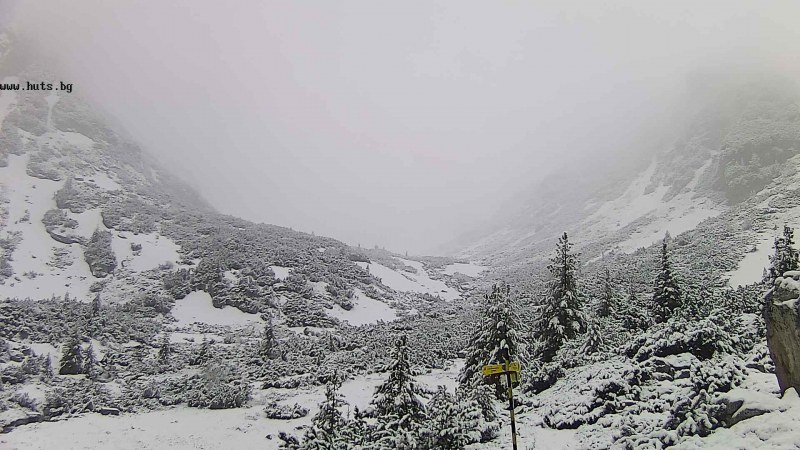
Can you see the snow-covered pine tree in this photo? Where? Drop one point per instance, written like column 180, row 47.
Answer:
column 397, row 404
column 72, row 357
column 165, row 349
column 495, row 340
column 355, row 430
column 327, row 425
column 447, row 428
column 267, row 348
column 785, row 256
column 48, row 367
column 667, row 294
column 90, row 363
column 561, row 317
column 607, row 305
column 594, row 342
column 96, row 305
column 202, row 355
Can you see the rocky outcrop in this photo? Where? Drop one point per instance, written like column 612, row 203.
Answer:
column 782, row 317
column 740, row 404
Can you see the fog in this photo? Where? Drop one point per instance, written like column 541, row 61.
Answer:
column 399, row 124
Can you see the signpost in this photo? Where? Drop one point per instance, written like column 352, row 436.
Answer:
column 511, row 370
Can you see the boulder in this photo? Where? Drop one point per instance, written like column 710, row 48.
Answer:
column 108, row 411
column 742, row 404
column 13, row 418
column 782, row 318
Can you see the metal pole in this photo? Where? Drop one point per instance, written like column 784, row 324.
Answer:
column 511, row 404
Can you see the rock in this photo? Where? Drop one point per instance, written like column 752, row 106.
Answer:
column 782, row 317
column 107, row 411
column 14, row 418
column 68, row 239
column 741, row 404
column 660, row 368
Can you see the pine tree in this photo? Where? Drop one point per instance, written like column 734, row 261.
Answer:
column 327, row 425
column 561, row 318
column 96, row 304
column 495, row 340
column 447, row 427
column 785, row 257
column 632, row 312
column 268, row 346
column 72, row 357
column 90, row 362
column 203, row 353
column 667, row 295
column 356, row 430
column 478, row 411
column 48, row 367
column 165, row 350
column 594, row 342
column 607, row 304
column 397, row 404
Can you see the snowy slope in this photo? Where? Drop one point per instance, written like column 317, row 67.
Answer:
column 365, row 310
column 420, row 282
column 680, row 213
column 26, row 199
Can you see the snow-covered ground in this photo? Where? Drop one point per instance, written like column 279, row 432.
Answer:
column 468, row 269
column 197, row 307
column 419, row 282
column 681, row 213
column 281, row 272
column 7, row 99
column 156, row 250
column 28, row 200
column 242, row 428
column 751, row 268
column 365, row 310
column 777, row 430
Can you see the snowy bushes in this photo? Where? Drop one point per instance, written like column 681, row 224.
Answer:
column 703, row 338
column 75, row 396
column 686, row 409
column 214, row 388
column 588, row 394
column 285, row 412
column 99, row 255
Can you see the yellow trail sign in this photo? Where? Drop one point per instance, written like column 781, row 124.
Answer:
column 493, row 369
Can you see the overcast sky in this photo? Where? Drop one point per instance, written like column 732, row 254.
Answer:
column 398, row 123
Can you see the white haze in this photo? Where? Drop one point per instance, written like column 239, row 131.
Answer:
column 396, row 123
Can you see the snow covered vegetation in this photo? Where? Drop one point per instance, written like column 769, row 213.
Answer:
column 133, row 315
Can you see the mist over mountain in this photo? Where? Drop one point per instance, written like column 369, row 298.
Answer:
column 214, row 238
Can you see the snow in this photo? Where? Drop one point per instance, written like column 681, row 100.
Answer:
column 104, row 182
column 681, row 213
column 775, row 430
column 197, row 307
column 156, row 250
column 421, row 282
column 281, row 272
column 35, row 250
column 231, row 276
column 51, row 99
column 175, row 428
column 751, row 268
column 7, row 99
column 88, row 221
column 468, row 269
column 365, row 310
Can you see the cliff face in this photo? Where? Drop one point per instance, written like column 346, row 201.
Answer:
column 782, row 316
